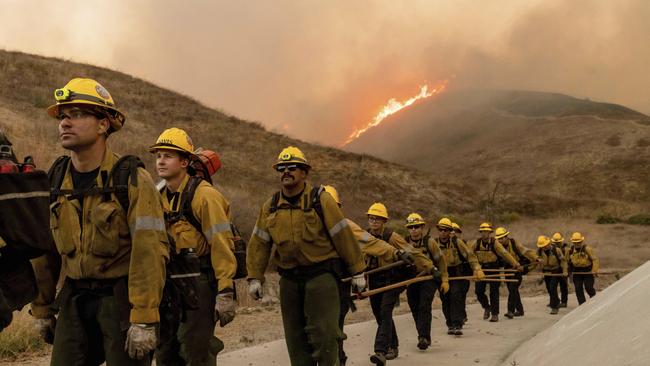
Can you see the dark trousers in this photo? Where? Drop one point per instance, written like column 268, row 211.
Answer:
column 514, row 298
column 190, row 342
column 584, row 283
column 310, row 315
column 346, row 303
column 382, row 306
column 89, row 331
column 493, row 303
column 420, row 297
column 564, row 290
column 453, row 303
column 551, row 288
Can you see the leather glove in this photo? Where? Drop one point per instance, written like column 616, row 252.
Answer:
column 46, row 328
column 255, row 289
column 435, row 272
column 479, row 274
column 519, row 268
column 405, row 256
column 224, row 308
column 140, row 340
column 444, row 287
column 358, row 283
column 565, row 274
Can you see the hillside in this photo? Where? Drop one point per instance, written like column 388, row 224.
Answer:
column 247, row 150
column 528, row 152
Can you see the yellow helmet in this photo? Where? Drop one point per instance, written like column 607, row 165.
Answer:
column 456, row 227
column 174, row 139
column 577, row 238
column 87, row 92
column 290, row 155
column 333, row 192
column 501, row 232
column 557, row 238
column 543, row 241
column 414, row 219
column 486, row 226
column 378, row 209
column 445, row 223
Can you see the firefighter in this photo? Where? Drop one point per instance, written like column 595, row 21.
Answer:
column 370, row 246
column 199, row 288
column 461, row 261
column 524, row 256
column 109, row 230
column 554, row 263
column 382, row 304
column 458, row 234
column 559, row 242
column 420, row 294
column 582, row 259
column 314, row 246
column 490, row 254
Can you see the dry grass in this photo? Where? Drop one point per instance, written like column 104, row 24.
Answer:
column 20, row 338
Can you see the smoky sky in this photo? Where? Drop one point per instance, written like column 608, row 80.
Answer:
column 316, row 69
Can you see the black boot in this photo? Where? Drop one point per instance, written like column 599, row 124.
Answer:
column 378, row 359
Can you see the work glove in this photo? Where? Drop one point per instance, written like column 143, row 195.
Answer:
column 479, row 274
column 565, row 274
column 519, row 268
column 45, row 328
column 224, row 308
column 358, row 283
column 140, row 340
column 255, row 289
column 435, row 272
column 407, row 257
column 444, row 287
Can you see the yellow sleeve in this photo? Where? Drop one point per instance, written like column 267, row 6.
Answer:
column 46, row 271
column 258, row 251
column 422, row 261
column 528, row 253
column 595, row 262
column 563, row 261
column 342, row 236
column 213, row 211
column 503, row 253
column 468, row 252
column 438, row 259
column 149, row 250
column 372, row 246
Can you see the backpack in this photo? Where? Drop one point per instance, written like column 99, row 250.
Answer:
column 116, row 182
column 204, row 164
column 185, row 213
column 522, row 259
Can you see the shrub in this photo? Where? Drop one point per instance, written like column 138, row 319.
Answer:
column 639, row 219
column 20, row 337
column 509, row 217
column 607, row 219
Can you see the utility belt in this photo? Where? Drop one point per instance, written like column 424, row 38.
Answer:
column 462, row 269
column 582, row 269
column 492, row 265
column 305, row 273
column 552, row 270
column 117, row 287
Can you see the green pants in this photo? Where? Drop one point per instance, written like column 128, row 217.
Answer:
column 190, row 342
column 310, row 314
column 88, row 330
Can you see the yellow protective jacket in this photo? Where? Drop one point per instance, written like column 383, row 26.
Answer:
column 101, row 241
column 212, row 210
column 552, row 260
column 453, row 258
column 300, row 237
column 514, row 247
column 487, row 255
column 370, row 245
column 432, row 251
column 581, row 258
column 421, row 261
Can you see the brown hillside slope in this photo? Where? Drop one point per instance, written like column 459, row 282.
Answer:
column 541, row 153
column 247, row 150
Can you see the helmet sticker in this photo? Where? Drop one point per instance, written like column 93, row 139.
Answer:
column 102, row 92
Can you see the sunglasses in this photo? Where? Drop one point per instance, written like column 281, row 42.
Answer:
column 445, row 230
column 76, row 114
column 375, row 219
column 283, row 168
column 415, row 227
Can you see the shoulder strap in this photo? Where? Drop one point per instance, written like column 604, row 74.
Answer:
column 314, row 202
column 460, row 254
column 186, row 202
column 126, row 167
column 56, row 175
column 513, row 244
column 274, row 202
column 385, row 236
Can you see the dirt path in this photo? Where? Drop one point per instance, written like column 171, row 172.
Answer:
column 484, row 343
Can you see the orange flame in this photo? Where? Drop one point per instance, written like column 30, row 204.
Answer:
column 393, row 106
